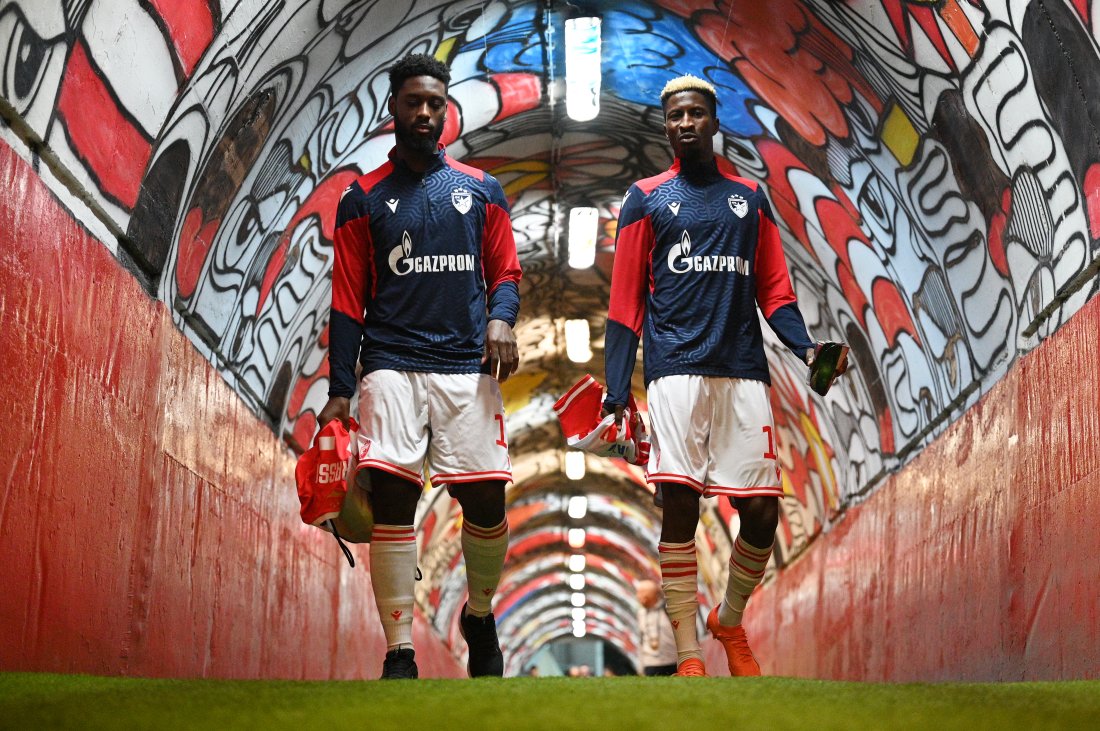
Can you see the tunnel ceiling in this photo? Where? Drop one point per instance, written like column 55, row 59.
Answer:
column 934, row 168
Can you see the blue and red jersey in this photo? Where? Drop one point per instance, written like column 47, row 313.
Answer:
column 697, row 251
column 422, row 262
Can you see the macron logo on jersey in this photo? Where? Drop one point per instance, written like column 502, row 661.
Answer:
column 392, row 204
column 675, row 208
column 681, row 262
column 402, row 262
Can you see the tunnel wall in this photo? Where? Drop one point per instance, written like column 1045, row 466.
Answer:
column 977, row 561
column 149, row 520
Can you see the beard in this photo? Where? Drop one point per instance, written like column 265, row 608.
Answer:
column 415, row 143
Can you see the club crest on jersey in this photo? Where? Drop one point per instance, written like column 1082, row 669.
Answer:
column 402, row 261
column 461, row 200
column 738, row 205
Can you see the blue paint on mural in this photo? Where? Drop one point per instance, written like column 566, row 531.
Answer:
column 661, row 47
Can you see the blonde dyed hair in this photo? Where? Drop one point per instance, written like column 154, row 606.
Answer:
column 690, row 83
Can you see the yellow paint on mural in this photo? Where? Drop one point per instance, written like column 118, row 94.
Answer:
column 443, row 53
column 535, row 171
column 518, row 389
column 304, row 162
column 900, row 136
column 522, row 183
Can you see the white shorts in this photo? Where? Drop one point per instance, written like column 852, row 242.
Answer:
column 714, row 435
column 452, row 421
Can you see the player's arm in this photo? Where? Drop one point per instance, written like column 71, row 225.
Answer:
column 352, row 250
column 626, row 312
column 775, row 296
column 502, row 274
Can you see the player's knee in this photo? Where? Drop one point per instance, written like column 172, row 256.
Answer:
column 393, row 500
column 680, row 515
column 482, row 502
column 759, row 518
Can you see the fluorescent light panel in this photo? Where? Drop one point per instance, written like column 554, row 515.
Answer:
column 584, row 226
column 578, row 341
column 582, row 68
column 574, row 465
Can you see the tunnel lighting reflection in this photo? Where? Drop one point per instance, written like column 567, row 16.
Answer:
column 576, row 537
column 578, row 614
column 578, row 341
column 576, row 562
column 584, row 226
column 574, row 465
column 576, row 582
column 577, row 599
column 579, row 629
column 582, row 68
column 578, row 507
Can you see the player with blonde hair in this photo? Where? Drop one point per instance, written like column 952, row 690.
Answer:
column 697, row 252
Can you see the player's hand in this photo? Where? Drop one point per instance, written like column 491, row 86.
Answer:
column 841, row 366
column 501, row 350
column 618, row 415
column 338, row 407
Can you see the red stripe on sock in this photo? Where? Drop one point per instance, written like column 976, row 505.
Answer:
column 677, row 574
column 746, row 569
column 485, row 533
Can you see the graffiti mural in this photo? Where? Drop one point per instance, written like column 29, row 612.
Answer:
column 934, row 168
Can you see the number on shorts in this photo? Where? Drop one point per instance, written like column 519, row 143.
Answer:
column 500, row 421
column 770, row 454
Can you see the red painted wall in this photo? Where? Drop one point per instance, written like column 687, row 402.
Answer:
column 148, row 521
column 979, row 560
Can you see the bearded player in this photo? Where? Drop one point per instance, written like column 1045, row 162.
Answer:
column 424, row 299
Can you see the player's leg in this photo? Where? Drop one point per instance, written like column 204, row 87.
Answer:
column 484, row 546
column 484, row 541
column 393, row 567
column 392, row 445
column 751, row 551
column 469, row 454
column 745, row 469
column 677, row 464
column 680, row 573
column 748, row 559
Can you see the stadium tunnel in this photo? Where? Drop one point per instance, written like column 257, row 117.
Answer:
column 171, row 173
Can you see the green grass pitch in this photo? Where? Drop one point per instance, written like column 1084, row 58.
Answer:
column 49, row 701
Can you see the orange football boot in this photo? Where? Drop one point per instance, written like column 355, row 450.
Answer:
column 741, row 662
column 691, row 668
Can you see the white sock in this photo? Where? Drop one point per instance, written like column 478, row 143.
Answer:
column 746, row 566
column 484, row 550
column 680, row 582
column 393, row 578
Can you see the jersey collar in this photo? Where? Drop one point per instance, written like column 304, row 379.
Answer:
column 438, row 161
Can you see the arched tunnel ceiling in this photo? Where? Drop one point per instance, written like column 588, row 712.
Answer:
column 934, row 168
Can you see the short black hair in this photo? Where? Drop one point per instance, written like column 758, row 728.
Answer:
column 417, row 64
